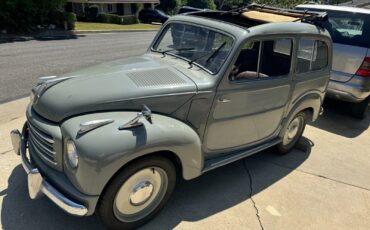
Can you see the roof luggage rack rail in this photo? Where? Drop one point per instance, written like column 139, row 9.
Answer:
column 302, row 15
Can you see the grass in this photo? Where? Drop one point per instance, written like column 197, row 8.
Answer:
column 107, row 26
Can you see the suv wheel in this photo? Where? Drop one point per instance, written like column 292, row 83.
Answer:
column 137, row 193
column 359, row 110
column 293, row 133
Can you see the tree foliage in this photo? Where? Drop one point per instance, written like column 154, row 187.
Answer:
column 209, row 4
column 167, row 5
column 23, row 15
column 281, row 3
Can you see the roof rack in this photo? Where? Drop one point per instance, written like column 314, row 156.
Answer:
column 299, row 15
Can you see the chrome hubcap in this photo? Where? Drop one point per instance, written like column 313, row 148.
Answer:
column 292, row 131
column 140, row 194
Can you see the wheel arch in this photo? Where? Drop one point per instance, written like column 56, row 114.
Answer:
column 309, row 103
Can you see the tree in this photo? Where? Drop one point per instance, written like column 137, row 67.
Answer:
column 229, row 4
column 23, row 15
column 209, row 4
column 167, row 5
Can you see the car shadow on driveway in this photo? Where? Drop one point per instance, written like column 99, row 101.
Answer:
column 194, row 200
column 45, row 36
column 338, row 120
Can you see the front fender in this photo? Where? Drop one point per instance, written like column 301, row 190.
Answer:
column 103, row 151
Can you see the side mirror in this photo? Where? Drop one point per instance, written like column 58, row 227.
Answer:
column 135, row 122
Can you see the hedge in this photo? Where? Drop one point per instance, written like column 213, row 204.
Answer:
column 71, row 19
column 116, row 19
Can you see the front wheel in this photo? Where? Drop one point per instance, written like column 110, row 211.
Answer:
column 137, row 193
column 293, row 133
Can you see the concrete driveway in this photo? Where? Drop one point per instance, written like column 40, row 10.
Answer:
column 324, row 184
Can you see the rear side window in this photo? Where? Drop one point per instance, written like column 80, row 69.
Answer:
column 312, row 55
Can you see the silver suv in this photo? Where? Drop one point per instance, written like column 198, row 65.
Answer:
column 349, row 28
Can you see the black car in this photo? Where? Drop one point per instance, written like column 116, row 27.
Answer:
column 152, row 15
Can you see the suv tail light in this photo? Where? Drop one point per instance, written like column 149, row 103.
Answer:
column 364, row 69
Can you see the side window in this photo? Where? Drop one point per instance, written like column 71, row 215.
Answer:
column 312, row 55
column 263, row 59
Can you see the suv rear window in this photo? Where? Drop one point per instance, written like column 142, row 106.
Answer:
column 348, row 28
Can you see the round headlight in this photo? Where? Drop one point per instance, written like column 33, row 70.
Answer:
column 72, row 154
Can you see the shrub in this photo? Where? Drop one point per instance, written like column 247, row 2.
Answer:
column 57, row 18
column 116, row 19
column 71, row 19
column 109, row 18
column 91, row 13
column 129, row 19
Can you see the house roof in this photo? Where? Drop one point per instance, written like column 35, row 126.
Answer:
column 114, row 1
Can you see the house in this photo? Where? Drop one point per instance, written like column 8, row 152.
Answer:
column 120, row 7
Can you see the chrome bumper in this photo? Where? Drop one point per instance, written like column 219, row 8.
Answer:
column 37, row 185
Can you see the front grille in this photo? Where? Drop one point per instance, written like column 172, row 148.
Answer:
column 42, row 143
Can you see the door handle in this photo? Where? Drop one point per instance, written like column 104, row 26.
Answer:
column 223, row 100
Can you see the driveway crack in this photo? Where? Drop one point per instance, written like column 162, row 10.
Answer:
column 251, row 195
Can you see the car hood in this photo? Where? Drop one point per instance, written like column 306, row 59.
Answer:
column 119, row 85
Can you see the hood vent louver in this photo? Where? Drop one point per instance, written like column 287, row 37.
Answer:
column 155, row 78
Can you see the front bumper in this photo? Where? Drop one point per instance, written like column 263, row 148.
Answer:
column 37, row 185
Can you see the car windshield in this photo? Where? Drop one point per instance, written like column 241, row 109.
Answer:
column 201, row 46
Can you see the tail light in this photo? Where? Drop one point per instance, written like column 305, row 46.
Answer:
column 364, row 69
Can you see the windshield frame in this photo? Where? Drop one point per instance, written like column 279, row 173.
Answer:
column 165, row 29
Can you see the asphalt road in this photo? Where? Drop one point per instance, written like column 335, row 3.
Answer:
column 21, row 63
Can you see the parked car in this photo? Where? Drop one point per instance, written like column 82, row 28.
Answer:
column 349, row 28
column 152, row 15
column 212, row 89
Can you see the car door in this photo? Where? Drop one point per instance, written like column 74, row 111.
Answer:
column 251, row 102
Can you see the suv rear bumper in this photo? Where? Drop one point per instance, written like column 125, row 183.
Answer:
column 39, row 185
column 355, row 90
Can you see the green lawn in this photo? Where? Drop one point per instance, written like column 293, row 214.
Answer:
column 107, row 26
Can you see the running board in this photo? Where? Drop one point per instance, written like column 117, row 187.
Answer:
column 224, row 160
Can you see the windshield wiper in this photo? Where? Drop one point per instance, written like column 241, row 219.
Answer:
column 211, row 53
column 178, row 49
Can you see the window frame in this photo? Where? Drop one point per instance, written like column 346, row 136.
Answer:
column 261, row 39
column 315, row 38
column 163, row 31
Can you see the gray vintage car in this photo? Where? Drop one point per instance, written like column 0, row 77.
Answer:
column 213, row 88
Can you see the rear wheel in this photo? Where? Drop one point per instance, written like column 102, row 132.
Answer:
column 293, row 133
column 137, row 193
column 360, row 110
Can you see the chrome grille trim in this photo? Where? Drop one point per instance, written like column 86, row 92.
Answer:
column 41, row 135
column 42, row 143
column 44, row 149
column 34, row 148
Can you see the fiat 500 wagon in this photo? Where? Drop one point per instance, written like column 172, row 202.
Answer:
column 213, row 87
